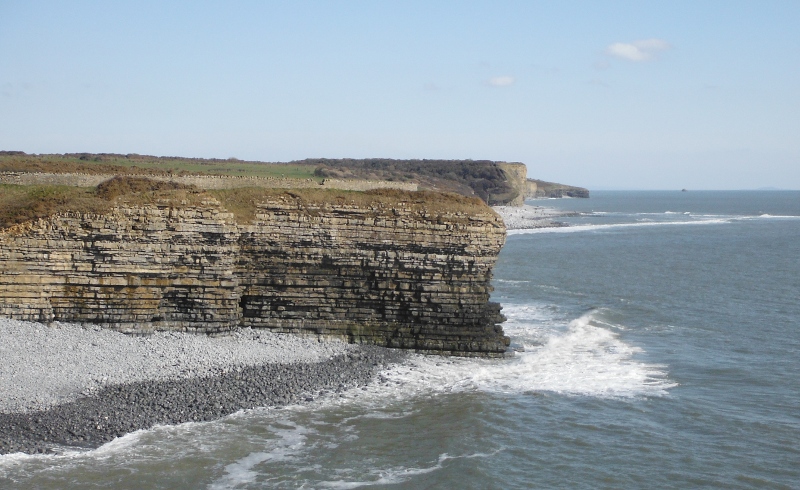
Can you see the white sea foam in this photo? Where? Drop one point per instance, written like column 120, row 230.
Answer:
column 289, row 444
column 582, row 357
column 400, row 474
column 608, row 226
column 776, row 216
column 66, row 457
column 696, row 219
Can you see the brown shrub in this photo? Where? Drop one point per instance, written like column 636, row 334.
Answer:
column 20, row 204
column 125, row 185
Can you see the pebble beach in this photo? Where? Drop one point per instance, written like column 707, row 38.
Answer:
column 529, row 217
column 67, row 386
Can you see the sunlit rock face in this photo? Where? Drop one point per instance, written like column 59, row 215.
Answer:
column 393, row 275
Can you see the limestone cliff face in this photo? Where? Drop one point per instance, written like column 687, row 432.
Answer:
column 390, row 276
column 133, row 270
column 517, row 174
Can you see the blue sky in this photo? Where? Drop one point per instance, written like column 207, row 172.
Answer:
column 628, row 95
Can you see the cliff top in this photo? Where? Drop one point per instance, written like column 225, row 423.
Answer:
column 21, row 204
column 482, row 178
column 496, row 183
column 134, row 164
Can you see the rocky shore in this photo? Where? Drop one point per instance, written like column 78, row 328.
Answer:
column 68, row 386
column 527, row 217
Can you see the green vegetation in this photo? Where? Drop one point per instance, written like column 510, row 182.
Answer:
column 482, row 178
column 132, row 164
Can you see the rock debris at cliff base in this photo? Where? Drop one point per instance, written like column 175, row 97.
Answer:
column 527, row 217
column 61, row 387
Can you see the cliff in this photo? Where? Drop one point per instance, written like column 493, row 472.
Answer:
column 516, row 175
column 391, row 268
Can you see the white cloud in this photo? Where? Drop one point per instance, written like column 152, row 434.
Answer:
column 501, row 81
column 642, row 50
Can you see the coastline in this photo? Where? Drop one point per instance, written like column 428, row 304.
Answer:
column 45, row 409
column 79, row 386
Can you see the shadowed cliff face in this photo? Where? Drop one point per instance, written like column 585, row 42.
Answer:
column 396, row 275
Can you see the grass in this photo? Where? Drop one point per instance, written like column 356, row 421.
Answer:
column 20, row 204
column 150, row 165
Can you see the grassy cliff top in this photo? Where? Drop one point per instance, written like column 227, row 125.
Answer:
column 133, row 164
column 243, row 203
column 485, row 179
column 482, row 178
column 21, row 204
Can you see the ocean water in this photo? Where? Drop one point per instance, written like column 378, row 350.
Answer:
column 662, row 350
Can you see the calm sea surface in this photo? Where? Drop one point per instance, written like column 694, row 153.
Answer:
column 662, row 337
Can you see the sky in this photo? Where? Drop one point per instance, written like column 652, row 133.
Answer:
column 601, row 94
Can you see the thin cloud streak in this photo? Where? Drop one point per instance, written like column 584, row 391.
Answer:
column 637, row 51
column 501, row 81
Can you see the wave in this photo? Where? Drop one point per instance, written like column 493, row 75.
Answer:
column 607, row 226
column 777, row 216
column 400, row 474
column 699, row 219
column 586, row 357
column 288, row 443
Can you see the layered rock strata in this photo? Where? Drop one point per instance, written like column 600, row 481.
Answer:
column 388, row 275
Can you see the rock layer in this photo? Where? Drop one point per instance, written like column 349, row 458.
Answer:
column 395, row 276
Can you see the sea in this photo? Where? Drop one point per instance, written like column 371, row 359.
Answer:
column 661, row 336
